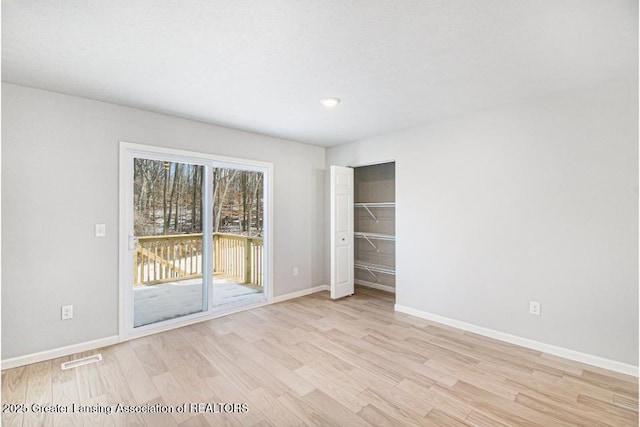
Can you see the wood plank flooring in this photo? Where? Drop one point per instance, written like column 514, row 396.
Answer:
column 312, row 361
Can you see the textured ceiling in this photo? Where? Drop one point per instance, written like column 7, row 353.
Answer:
column 263, row 65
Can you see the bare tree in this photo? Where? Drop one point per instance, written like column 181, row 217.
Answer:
column 168, row 199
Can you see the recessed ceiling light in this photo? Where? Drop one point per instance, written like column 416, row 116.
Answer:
column 330, row 102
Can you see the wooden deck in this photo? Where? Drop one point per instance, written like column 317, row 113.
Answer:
column 169, row 300
column 314, row 361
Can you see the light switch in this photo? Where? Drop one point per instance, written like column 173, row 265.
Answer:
column 101, row 230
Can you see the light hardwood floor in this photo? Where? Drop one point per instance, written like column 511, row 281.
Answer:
column 313, row 361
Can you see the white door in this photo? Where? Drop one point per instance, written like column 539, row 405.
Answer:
column 341, row 232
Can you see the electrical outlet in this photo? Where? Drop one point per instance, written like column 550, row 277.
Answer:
column 296, row 272
column 534, row 308
column 67, row 312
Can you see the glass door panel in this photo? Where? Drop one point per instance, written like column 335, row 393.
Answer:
column 168, row 245
column 238, row 244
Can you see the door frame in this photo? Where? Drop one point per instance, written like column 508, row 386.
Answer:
column 364, row 164
column 129, row 150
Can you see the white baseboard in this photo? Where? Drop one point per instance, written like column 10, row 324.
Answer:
column 589, row 359
column 376, row 286
column 299, row 294
column 59, row 352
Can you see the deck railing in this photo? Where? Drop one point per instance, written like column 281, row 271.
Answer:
column 160, row 259
column 238, row 256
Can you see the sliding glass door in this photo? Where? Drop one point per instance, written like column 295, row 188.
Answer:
column 167, row 229
column 238, row 227
column 194, row 230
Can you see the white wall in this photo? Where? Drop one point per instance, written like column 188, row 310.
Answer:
column 537, row 201
column 60, row 177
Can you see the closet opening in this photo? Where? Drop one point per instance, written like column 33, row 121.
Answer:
column 375, row 226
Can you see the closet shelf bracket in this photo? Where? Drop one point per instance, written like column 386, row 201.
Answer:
column 371, row 243
column 370, row 213
column 370, row 272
